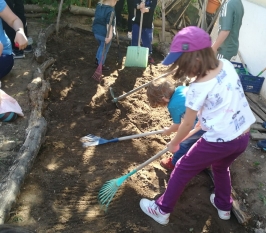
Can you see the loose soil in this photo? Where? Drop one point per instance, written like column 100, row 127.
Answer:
column 60, row 193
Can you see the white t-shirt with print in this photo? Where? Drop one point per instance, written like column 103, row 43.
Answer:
column 223, row 109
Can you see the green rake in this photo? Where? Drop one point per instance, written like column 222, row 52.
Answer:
column 110, row 188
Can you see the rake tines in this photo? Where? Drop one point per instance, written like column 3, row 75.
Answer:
column 110, row 188
column 98, row 73
column 107, row 193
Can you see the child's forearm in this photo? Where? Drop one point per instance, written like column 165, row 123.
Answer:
column 182, row 132
column 174, row 127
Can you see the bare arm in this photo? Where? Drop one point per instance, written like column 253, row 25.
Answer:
column 220, row 40
column 171, row 129
column 13, row 21
column 184, row 128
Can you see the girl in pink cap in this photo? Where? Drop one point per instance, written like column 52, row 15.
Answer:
column 216, row 97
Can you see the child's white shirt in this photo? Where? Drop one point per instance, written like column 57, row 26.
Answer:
column 223, row 109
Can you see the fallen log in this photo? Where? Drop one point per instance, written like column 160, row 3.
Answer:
column 30, row 8
column 40, row 51
column 78, row 10
column 35, row 135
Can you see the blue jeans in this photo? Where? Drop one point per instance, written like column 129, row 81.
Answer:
column 185, row 146
column 146, row 37
column 6, row 64
column 99, row 55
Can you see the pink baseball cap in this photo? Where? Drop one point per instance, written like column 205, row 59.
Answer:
column 189, row 39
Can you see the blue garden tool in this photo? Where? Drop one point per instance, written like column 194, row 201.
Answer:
column 92, row 140
column 109, row 189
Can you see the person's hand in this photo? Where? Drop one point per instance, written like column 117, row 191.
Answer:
column 21, row 40
column 141, row 5
column 108, row 39
column 166, row 131
column 172, row 148
column 144, row 10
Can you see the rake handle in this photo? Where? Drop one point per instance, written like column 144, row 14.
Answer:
column 140, row 87
column 261, row 71
column 140, row 135
column 159, row 154
column 140, row 27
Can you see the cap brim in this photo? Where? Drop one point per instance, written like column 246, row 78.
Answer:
column 171, row 58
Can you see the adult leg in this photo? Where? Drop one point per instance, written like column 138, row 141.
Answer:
column 130, row 9
column 200, row 156
column 118, row 9
column 146, row 38
column 6, row 64
column 135, row 35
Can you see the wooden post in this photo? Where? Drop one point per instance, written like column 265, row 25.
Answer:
column 89, row 3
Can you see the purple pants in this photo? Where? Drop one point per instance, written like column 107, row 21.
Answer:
column 201, row 155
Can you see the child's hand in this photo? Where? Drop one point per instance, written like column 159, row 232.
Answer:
column 173, row 148
column 167, row 131
column 108, row 39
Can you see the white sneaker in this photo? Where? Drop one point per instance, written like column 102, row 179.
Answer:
column 151, row 209
column 225, row 215
column 129, row 35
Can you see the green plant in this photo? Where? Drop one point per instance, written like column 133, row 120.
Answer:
column 256, row 164
column 155, row 31
column 17, row 218
column 261, row 185
column 262, row 198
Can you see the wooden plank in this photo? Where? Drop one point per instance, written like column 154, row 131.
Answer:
column 256, row 109
column 258, row 127
column 256, row 135
column 257, row 100
column 258, row 119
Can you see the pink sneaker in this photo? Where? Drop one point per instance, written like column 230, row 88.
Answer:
column 152, row 210
column 225, row 215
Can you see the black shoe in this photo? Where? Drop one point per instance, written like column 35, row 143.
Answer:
column 18, row 54
column 28, row 49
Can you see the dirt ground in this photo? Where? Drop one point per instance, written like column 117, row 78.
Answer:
column 60, row 193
